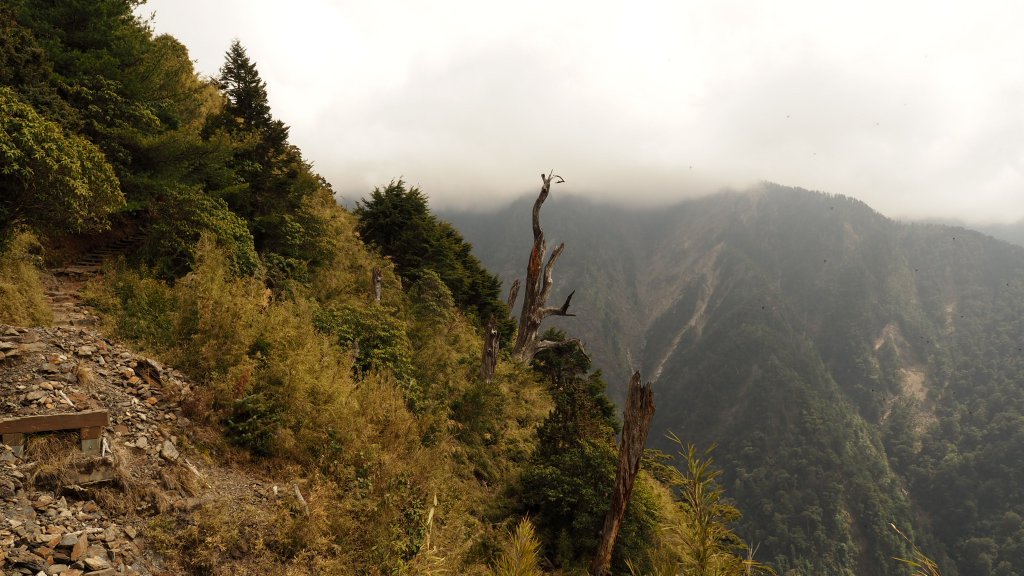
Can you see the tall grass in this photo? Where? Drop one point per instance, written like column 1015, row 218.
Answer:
column 22, row 299
column 696, row 538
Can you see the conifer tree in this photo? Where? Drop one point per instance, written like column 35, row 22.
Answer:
column 397, row 220
column 248, row 107
column 279, row 184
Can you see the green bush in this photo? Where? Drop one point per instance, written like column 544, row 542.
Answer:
column 185, row 215
column 373, row 333
column 49, row 180
column 252, row 421
column 146, row 308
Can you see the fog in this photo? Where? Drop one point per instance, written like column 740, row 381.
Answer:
column 916, row 108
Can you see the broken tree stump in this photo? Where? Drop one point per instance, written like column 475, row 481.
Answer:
column 378, row 284
column 491, row 341
column 636, row 424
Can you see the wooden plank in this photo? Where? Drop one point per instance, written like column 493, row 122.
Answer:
column 49, row 422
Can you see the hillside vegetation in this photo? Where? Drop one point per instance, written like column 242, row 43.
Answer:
column 253, row 282
column 853, row 370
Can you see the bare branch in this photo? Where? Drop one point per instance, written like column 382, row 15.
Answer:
column 563, row 311
column 546, row 278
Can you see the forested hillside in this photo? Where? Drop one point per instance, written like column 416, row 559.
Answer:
column 333, row 350
column 854, row 371
column 1012, row 233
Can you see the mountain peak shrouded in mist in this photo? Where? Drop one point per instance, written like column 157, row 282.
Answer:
column 851, row 367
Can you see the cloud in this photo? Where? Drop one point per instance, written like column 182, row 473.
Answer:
column 915, row 107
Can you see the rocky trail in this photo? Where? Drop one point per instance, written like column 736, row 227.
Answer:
column 96, row 447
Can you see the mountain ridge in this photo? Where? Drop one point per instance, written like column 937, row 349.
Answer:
column 835, row 355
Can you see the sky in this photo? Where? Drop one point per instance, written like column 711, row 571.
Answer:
column 915, row 107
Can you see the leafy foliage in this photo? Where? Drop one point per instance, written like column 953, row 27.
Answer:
column 377, row 338
column 50, row 180
column 182, row 217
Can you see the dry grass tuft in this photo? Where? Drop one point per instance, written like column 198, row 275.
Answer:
column 22, row 299
column 920, row 563
column 59, row 465
column 178, row 478
column 54, row 456
column 521, row 552
column 85, row 377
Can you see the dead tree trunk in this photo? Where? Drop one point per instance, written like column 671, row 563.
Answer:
column 378, row 284
column 637, row 422
column 538, row 285
column 513, row 293
column 490, row 359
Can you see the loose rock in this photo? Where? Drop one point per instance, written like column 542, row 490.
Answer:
column 168, row 451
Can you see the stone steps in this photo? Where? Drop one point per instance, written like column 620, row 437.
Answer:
column 92, row 262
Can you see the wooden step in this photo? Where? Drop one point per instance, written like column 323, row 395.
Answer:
column 90, row 426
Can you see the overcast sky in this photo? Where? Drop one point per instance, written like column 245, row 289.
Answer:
column 915, row 107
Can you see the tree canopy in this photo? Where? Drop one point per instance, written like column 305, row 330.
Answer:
column 50, row 179
column 397, row 221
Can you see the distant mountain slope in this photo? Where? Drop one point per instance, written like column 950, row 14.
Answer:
column 1012, row 233
column 854, row 371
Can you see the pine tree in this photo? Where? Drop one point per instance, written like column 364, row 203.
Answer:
column 279, row 184
column 248, row 104
column 397, row 221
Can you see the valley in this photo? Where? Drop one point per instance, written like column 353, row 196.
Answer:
column 853, row 370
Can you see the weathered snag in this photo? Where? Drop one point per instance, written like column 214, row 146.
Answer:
column 538, row 283
column 378, row 284
column 513, row 293
column 636, row 424
column 490, row 359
